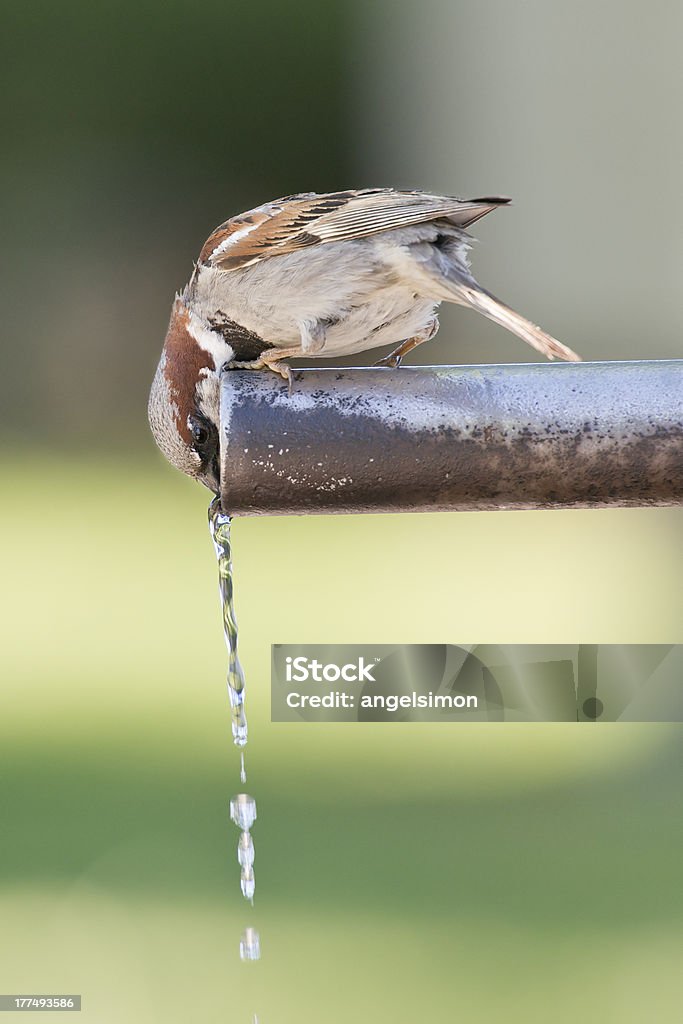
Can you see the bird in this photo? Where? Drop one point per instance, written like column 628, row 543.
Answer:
column 318, row 275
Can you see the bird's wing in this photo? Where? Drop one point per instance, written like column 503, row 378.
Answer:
column 299, row 221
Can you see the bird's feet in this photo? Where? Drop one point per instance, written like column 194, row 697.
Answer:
column 393, row 360
column 270, row 359
column 284, row 370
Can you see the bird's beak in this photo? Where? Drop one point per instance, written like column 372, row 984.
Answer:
column 211, row 478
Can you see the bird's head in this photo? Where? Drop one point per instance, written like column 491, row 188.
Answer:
column 184, row 400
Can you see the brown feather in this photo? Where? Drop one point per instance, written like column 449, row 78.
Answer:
column 297, row 222
column 185, row 360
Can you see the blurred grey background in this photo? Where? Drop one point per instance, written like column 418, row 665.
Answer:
column 573, row 110
column 131, row 130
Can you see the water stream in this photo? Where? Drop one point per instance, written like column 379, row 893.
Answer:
column 219, row 525
column 242, row 806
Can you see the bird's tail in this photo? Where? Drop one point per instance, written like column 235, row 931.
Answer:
column 484, row 302
column 487, row 304
column 451, row 281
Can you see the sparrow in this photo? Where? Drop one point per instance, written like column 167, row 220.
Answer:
column 320, row 275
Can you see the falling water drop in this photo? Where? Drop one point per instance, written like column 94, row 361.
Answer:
column 248, row 884
column 243, row 770
column 245, row 850
column 250, row 945
column 243, row 811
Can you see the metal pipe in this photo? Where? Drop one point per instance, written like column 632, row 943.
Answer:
column 452, row 438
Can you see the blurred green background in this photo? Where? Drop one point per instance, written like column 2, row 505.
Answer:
column 410, row 873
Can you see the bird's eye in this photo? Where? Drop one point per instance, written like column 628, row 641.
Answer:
column 200, row 430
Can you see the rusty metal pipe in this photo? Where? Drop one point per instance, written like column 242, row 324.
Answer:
column 452, row 438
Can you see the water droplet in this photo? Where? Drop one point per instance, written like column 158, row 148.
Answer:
column 243, row 811
column 248, row 883
column 243, row 770
column 250, row 945
column 245, row 850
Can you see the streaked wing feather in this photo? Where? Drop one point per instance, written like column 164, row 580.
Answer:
column 296, row 222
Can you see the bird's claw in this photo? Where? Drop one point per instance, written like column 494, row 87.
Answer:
column 392, row 360
column 285, row 371
column 282, row 369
